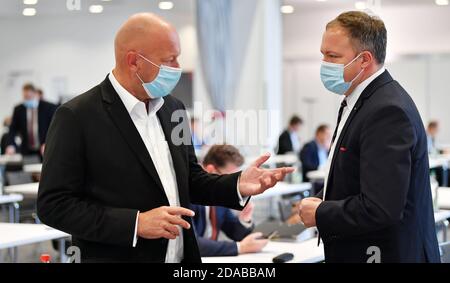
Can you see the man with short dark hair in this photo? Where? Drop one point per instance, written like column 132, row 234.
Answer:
column 210, row 220
column 289, row 140
column 376, row 203
column 30, row 121
column 314, row 154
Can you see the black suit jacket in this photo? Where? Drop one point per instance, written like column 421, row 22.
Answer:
column 18, row 127
column 284, row 143
column 378, row 191
column 309, row 157
column 97, row 173
column 227, row 222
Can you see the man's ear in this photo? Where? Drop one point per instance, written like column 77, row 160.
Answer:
column 367, row 59
column 210, row 169
column 132, row 61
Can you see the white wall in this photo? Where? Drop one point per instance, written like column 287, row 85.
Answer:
column 416, row 37
column 76, row 49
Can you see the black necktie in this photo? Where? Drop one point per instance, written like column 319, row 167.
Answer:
column 341, row 110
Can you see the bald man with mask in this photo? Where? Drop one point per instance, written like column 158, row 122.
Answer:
column 114, row 178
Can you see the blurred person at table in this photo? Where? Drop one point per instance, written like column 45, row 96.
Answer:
column 30, row 121
column 4, row 139
column 314, row 154
column 209, row 221
column 289, row 140
column 432, row 132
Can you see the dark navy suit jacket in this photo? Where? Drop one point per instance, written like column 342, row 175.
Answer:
column 309, row 157
column 226, row 222
column 378, row 196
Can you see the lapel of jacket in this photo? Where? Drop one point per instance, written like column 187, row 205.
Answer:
column 379, row 81
column 164, row 116
column 121, row 118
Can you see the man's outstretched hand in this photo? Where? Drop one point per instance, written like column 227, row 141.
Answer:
column 255, row 180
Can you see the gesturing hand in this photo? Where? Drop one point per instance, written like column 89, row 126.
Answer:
column 255, row 180
column 163, row 222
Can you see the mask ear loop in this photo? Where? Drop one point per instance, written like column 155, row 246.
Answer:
column 349, row 63
column 351, row 82
column 149, row 61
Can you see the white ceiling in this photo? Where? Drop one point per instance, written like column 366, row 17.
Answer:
column 349, row 4
column 13, row 8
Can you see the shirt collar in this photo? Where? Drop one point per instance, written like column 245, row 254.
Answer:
column 354, row 96
column 132, row 104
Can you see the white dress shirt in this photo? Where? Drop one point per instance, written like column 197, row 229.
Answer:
column 351, row 101
column 152, row 135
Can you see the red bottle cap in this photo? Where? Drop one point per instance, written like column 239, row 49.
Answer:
column 45, row 258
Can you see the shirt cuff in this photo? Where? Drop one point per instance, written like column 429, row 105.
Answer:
column 135, row 231
column 242, row 201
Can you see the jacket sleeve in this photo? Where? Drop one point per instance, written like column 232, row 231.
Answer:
column 13, row 129
column 307, row 158
column 233, row 228
column 210, row 247
column 386, row 144
column 63, row 201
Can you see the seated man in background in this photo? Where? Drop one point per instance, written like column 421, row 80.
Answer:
column 210, row 220
column 30, row 121
column 289, row 140
column 432, row 131
column 314, row 154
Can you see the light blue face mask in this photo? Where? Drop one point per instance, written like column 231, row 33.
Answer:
column 332, row 76
column 164, row 83
column 31, row 103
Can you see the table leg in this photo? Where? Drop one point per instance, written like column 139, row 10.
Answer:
column 17, row 212
column 444, row 233
column 62, row 250
column 444, row 176
column 11, row 213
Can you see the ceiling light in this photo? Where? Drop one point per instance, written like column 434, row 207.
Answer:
column 165, row 5
column 287, row 9
column 360, row 5
column 321, row 0
column 96, row 9
column 30, row 2
column 29, row 12
column 441, row 2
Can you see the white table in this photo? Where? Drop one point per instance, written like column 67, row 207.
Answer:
column 444, row 197
column 33, row 168
column 15, row 235
column 12, row 201
column 15, row 158
column 30, row 189
column 288, row 159
column 304, row 252
column 283, row 188
column 316, row 175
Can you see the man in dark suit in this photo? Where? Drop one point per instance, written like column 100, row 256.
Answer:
column 289, row 140
column 5, row 135
column 119, row 168
column 30, row 121
column 376, row 203
column 314, row 154
column 210, row 220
